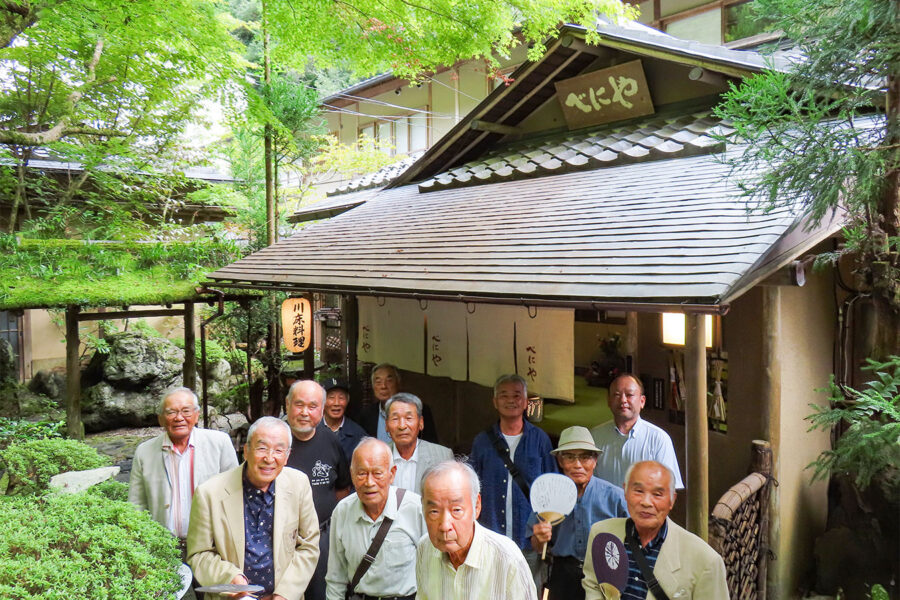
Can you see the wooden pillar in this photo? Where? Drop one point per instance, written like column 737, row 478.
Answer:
column 696, row 426
column 74, row 427
column 631, row 341
column 771, row 412
column 189, row 373
column 309, row 355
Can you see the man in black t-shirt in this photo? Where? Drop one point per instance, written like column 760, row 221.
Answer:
column 317, row 452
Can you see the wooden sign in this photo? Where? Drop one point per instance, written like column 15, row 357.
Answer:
column 603, row 96
column 296, row 323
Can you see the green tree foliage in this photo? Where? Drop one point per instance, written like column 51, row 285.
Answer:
column 83, row 546
column 826, row 134
column 870, row 445
column 30, row 465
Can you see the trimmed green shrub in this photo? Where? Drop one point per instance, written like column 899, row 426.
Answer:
column 14, row 430
column 31, row 464
column 83, row 546
column 110, row 489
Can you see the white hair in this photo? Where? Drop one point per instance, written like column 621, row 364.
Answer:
column 173, row 391
column 658, row 464
column 459, row 465
column 266, row 423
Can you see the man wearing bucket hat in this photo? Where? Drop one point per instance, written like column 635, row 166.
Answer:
column 664, row 561
column 597, row 500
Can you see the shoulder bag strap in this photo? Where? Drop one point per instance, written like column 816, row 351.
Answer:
column 635, row 547
column 503, row 453
column 369, row 557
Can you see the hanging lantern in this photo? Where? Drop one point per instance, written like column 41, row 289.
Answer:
column 296, row 323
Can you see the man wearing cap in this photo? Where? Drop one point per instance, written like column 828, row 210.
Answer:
column 597, row 500
column 337, row 397
column 410, row 455
column 664, row 560
column 628, row 438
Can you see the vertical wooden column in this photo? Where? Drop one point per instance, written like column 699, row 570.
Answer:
column 631, row 341
column 189, row 373
column 74, row 426
column 696, row 426
column 771, row 414
column 350, row 335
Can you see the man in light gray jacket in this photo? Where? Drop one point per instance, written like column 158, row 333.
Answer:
column 168, row 468
column 412, row 456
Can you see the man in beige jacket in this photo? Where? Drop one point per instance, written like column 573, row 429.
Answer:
column 256, row 523
column 679, row 562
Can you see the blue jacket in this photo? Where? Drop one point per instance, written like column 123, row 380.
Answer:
column 532, row 457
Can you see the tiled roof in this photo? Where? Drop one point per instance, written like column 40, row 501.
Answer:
column 651, row 139
column 655, row 233
column 379, row 178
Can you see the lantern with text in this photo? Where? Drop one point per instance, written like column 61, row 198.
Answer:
column 296, row 323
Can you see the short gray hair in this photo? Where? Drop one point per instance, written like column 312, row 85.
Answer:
column 652, row 462
column 300, row 382
column 510, row 378
column 175, row 390
column 267, row 422
column 447, row 466
column 388, row 366
column 403, row 398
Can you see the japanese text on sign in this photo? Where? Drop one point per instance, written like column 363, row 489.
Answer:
column 604, row 96
column 296, row 315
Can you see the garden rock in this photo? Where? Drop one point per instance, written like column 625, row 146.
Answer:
column 48, row 383
column 73, row 482
column 7, row 362
column 136, row 360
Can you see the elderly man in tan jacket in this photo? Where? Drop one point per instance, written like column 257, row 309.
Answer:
column 256, row 523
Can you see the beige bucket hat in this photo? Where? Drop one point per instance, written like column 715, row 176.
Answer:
column 576, row 438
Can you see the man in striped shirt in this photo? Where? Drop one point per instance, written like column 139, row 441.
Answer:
column 460, row 559
column 678, row 563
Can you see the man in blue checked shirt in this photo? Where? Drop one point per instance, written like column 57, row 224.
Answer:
column 505, row 507
column 597, row 500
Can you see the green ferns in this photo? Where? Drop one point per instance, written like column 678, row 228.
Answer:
column 870, row 446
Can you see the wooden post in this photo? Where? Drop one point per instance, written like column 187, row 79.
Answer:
column 761, row 462
column 696, row 426
column 74, row 426
column 771, row 412
column 309, row 356
column 350, row 335
column 631, row 341
column 189, row 373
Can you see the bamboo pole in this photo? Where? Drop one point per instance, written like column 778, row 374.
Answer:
column 74, row 426
column 696, row 426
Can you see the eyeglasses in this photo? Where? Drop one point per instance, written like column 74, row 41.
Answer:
column 262, row 451
column 187, row 413
column 582, row 458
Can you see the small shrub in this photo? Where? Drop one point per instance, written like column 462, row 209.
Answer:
column 13, row 430
column 111, row 490
column 31, row 464
column 83, row 546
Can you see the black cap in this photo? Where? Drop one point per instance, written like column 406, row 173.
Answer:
column 330, row 384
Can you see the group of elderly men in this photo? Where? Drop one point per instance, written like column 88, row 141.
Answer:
column 419, row 523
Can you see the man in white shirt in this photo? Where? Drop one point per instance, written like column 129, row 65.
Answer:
column 461, row 559
column 355, row 522
column 628, row 439
column 411, row 456
column 168, row 468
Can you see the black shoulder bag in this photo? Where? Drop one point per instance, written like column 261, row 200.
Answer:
column 503, row 453
column 369, row 557
column 635, row 547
